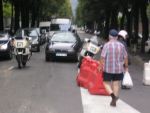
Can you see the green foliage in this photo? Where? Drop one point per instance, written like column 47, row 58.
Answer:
column 7, row 9
column 55, row 7
column 148, row 11
column 65, row 9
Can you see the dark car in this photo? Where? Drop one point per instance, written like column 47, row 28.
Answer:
column 32, row 33
column 5, row 45
column 63, row 45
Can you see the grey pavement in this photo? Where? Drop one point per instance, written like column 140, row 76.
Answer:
column 138, row 96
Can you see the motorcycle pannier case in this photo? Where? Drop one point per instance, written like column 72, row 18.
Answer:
column 20, row 43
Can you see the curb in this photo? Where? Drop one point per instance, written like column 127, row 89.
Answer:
column 136, row 60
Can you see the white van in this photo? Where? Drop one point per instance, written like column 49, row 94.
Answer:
column 45, row 25
column 60, row 24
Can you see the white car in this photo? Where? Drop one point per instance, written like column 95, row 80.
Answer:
column 147, row 46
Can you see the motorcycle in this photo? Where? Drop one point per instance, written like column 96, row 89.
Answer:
column 89, row 49
column 22, row 51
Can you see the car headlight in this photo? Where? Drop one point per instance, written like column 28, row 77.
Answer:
column 35, row 42
column 146, row 44
column 51, row 49
column 4, row 47
column 71, row 50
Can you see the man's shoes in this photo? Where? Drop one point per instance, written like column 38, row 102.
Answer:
column 113, row 102
column 124, row 87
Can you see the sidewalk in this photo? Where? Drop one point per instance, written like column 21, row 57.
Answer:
column 139, row 58
column 100, row 104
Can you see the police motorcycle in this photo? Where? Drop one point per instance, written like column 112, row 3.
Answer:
column 90, row 48
column 22, row 50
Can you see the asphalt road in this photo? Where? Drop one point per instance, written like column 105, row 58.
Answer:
column 50, row 87
column 41, row 87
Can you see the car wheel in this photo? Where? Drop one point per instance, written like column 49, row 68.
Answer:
column 10, row 55
column 38, row 49
column 76, row 58
column 47, row 58
column 149, row 51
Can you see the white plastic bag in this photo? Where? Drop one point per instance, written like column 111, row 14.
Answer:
column 127, row 80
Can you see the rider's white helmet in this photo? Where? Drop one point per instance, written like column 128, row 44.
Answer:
column 123, row 33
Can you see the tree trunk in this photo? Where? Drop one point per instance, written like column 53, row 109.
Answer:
column 145, row 24
column 129, row 25
column 1, row 16
column 12, row 18
column 25, row 14
column 114, row 18
column 122, row 21
column 107, row 23
column 17, row 15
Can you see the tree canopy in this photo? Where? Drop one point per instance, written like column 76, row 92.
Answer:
column 118, row 14
column 30, row 12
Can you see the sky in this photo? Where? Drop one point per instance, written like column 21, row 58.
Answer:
column 74, row 4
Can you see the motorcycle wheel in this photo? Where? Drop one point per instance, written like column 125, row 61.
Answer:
column 18, row 57
column 24, row 60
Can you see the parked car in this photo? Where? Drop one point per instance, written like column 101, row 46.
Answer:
column 63, row 45
column 147, row 46
column 147, row 43
column 33, row 36
column 5, row 45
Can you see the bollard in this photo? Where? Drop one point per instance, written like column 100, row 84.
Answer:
column 146, row 74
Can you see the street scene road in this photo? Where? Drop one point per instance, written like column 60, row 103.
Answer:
column 50, row 87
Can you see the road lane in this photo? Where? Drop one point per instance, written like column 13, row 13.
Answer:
column 40, row 87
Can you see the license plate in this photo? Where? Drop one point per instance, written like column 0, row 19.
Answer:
column 82, row 52
column 19, row 44
column 93, row 49
column 61, row 54
column 19, row 53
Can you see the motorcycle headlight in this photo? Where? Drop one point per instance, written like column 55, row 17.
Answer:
column 71, row 50
column 35, row 42
column 4, row 47
column 51, row 49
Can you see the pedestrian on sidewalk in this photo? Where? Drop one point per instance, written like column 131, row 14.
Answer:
column 122, row 37
column 114, row 59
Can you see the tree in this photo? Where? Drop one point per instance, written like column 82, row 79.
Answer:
column 1, row 15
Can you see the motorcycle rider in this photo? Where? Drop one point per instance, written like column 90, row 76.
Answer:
column 93, row 40
column 122, row 37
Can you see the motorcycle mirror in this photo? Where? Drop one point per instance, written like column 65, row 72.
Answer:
column 86, row 40
column 30, row 39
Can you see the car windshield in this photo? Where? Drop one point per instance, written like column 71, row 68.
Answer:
column 2, row 35
column 59, row 27
column 3, row 41
column 18, row 33
column 31, row 33
column 63, row 37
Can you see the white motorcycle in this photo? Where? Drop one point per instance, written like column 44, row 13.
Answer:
column 22, row 51
column 88, row 49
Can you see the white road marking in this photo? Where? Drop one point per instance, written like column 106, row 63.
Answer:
column 10, row 68
column 100, row 104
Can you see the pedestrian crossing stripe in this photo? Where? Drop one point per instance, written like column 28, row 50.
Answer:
column 101, row 104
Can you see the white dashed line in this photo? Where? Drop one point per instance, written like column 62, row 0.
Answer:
column 100, row 104
column 10, row 68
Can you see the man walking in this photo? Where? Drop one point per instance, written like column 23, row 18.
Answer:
column 114, row 59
